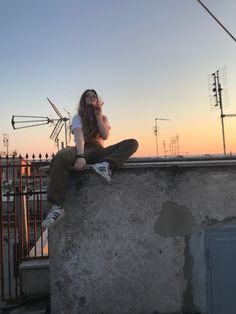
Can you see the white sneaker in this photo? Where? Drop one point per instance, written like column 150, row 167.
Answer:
column 53, row 216
column 103, row 169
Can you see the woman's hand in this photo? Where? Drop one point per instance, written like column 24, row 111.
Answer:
column 79, row 164
column 98, row 107
column 98, row 111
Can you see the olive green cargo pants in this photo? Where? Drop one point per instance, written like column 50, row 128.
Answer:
column 62, row 162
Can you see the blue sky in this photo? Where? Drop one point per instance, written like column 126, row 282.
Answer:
column 147, row 59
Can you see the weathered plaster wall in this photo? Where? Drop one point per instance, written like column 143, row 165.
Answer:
column 130, row 247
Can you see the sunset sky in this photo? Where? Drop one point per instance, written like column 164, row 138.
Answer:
column 146, row 58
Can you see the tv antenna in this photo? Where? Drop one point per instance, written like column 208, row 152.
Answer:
column 21, row 122
column 174, row 145
column 217, row 98
column 6, row 141
column 156, row 131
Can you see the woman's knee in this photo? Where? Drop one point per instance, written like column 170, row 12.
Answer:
column 65, row 156
column 134, row 143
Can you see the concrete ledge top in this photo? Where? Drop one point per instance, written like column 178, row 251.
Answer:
column 167, row 164
column 35, row 264
column 183, row 164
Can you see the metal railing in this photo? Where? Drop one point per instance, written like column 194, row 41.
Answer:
column 23, row 203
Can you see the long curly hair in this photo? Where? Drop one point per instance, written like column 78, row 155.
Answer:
column 88, row 119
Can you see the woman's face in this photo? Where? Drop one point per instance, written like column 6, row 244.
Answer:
column 91, row 98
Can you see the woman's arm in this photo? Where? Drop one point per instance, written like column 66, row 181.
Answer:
column 80, row 162
column 79, row 140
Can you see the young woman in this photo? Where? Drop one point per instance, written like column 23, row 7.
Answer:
column 90, row 128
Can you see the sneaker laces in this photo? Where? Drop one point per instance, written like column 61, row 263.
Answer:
column 105, row 167
column 55, row 215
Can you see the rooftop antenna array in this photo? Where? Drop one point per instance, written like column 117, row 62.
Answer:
column 221, row 77
column 156, row 131
column 173, row 147
column 218, row 93
column 21, row 122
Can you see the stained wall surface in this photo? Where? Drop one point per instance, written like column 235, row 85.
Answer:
column 137, row 245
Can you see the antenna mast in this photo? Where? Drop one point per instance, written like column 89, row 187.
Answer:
column 217, row 89
column 156, row 132
column 217, row 98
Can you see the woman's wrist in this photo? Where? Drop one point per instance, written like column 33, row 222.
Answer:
column 80, row 156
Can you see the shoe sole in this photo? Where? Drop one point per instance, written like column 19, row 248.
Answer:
column 100, row 174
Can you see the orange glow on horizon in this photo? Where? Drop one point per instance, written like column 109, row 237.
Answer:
column 194, row 139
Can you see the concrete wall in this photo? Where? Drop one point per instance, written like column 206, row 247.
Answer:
column 137, row 245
